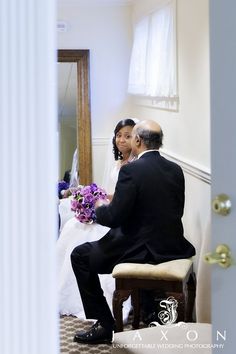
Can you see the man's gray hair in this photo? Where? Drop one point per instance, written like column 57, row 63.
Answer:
column 151, row 139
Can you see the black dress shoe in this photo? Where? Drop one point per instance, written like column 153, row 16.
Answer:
column 95, row 335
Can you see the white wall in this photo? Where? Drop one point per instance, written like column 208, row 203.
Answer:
column 106, row 32
column 187, row 131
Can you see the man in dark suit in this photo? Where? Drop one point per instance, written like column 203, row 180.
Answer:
column 145, row 220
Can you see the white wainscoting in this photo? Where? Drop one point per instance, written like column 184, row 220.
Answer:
column 190, row 167
column 100, row 157
column 197, row 227
column 100, row 142
column 100, row 148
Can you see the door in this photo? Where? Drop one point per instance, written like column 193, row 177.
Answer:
column 223, row 150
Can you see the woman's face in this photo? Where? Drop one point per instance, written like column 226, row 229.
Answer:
column 123, row 140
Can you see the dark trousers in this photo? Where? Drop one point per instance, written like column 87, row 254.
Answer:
column 93, row 258
column 94, row 302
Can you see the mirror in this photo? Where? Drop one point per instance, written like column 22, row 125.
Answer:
column 83, row 116
column 67, row 117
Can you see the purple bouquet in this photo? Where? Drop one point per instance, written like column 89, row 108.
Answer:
column 83, row 202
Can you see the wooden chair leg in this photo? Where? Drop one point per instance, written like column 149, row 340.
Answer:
column 191, row 288
column 135, row 300
column 119, row 296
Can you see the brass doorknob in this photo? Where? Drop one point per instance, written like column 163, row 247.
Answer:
column 221, row 204
column 221, row 256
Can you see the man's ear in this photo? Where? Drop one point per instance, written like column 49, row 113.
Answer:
column 138, row 140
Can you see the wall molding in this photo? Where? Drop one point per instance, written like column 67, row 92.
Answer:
column 198, row 171
column 95, row 2
column 166, row 104
column 191, row 168
column 100, row 141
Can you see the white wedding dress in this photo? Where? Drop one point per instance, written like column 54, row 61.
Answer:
column 73, row 234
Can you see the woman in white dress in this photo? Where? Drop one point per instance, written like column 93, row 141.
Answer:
column 75, row 233
column 64, row 207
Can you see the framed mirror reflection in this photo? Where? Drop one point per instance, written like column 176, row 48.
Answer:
column 74, row 113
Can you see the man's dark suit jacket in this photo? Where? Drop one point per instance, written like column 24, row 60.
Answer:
column 145, row 213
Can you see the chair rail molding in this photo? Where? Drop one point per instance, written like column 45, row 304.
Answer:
column 192, row 168
column 100, row 141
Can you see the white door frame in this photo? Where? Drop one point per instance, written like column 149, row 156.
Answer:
column 29, row 169
column 223, row 162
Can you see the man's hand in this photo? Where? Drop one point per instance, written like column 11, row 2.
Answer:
column 101, row 202
column 109, row 197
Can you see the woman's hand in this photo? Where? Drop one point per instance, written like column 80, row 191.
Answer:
column 67, row 193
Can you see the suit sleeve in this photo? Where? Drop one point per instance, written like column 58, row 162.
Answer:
column 118, row 211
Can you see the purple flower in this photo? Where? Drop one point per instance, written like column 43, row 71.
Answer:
column 83, row 202
column 62, row 185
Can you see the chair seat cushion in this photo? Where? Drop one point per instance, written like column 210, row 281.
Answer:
column 172, row 270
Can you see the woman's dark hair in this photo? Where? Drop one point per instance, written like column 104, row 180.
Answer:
column 66, row 177
column 123, row 123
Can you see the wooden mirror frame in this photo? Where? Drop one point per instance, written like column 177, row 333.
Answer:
column 81, row 58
